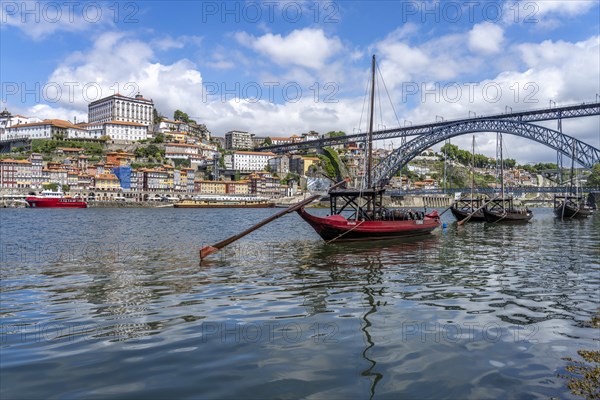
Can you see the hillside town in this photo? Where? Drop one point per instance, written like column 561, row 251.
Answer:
column 127, row 151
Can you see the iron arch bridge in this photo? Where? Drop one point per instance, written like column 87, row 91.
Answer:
column 585, row 154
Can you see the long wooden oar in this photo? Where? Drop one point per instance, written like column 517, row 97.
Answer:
column 208, row 250
column 468, row 217
column 449, row 207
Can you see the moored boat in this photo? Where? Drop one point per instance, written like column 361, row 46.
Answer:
column 469, row 208
column 570, row 207
column 54, row 199
column 466, row 206
column 368, row 223
column 503, row 210
column 365, row 216
column 225, row 202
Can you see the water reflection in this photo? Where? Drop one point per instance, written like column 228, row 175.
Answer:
column 387, row 319
column 374, row 277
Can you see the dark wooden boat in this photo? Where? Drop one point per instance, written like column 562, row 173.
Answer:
column 465, row 206
column 469, row 208
column 358, row 214
column 571, row 206
column 367, row 219
column 503, row 210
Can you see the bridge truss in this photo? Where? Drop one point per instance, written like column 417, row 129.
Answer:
column 547, row 114
column 585, row 154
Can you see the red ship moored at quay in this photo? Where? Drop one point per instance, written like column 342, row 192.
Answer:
column 50, row 199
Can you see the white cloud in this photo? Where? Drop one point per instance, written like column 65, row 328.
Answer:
column 577, row 67
column 117, row 62
column 486, row 38
column 309, row 48
column 442, row 58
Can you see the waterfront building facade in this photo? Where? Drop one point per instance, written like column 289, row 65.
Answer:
column 265, row 184
column 15, row 174
column 222, row 187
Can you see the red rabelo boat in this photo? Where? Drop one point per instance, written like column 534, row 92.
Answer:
column 51, row 199
column 359, row 214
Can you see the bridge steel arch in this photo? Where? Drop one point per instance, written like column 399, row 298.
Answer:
column 585, row 154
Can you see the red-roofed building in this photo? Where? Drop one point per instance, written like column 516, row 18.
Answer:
column 47, row 129
column 15, row 173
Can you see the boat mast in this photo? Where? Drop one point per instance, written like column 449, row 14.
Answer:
column 472, row 172
column 572, row 168
column 370, row 136
column 501, row 173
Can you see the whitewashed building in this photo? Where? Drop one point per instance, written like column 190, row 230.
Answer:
column 116, row 130
column 46, row 129
column 122, row 108
column 247, row 161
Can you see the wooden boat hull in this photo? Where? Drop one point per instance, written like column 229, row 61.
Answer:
column 462, row 214
column 571, row 212
column 339, row 228
column 508, row 216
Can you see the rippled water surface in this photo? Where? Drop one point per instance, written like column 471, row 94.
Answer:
column 102, row 303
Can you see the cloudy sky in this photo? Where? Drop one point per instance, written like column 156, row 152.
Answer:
column 277, row 68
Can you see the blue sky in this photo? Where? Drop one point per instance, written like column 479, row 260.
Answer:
column 285, row 67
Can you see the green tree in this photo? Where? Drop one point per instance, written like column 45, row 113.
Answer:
column 268, row 141
column 451, row 151
column 156, row 116
column 159, row 138
column 509, row 163
column 335, row 133
column 181, row 163
column 593, row 179
column 179, row 115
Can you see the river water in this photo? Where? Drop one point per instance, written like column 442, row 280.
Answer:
column 111, row 303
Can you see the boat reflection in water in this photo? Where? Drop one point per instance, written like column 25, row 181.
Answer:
column 369, row 261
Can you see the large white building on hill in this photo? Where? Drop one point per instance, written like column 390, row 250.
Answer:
column 122, row 108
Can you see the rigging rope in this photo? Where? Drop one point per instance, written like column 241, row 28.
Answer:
column 345, row 232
